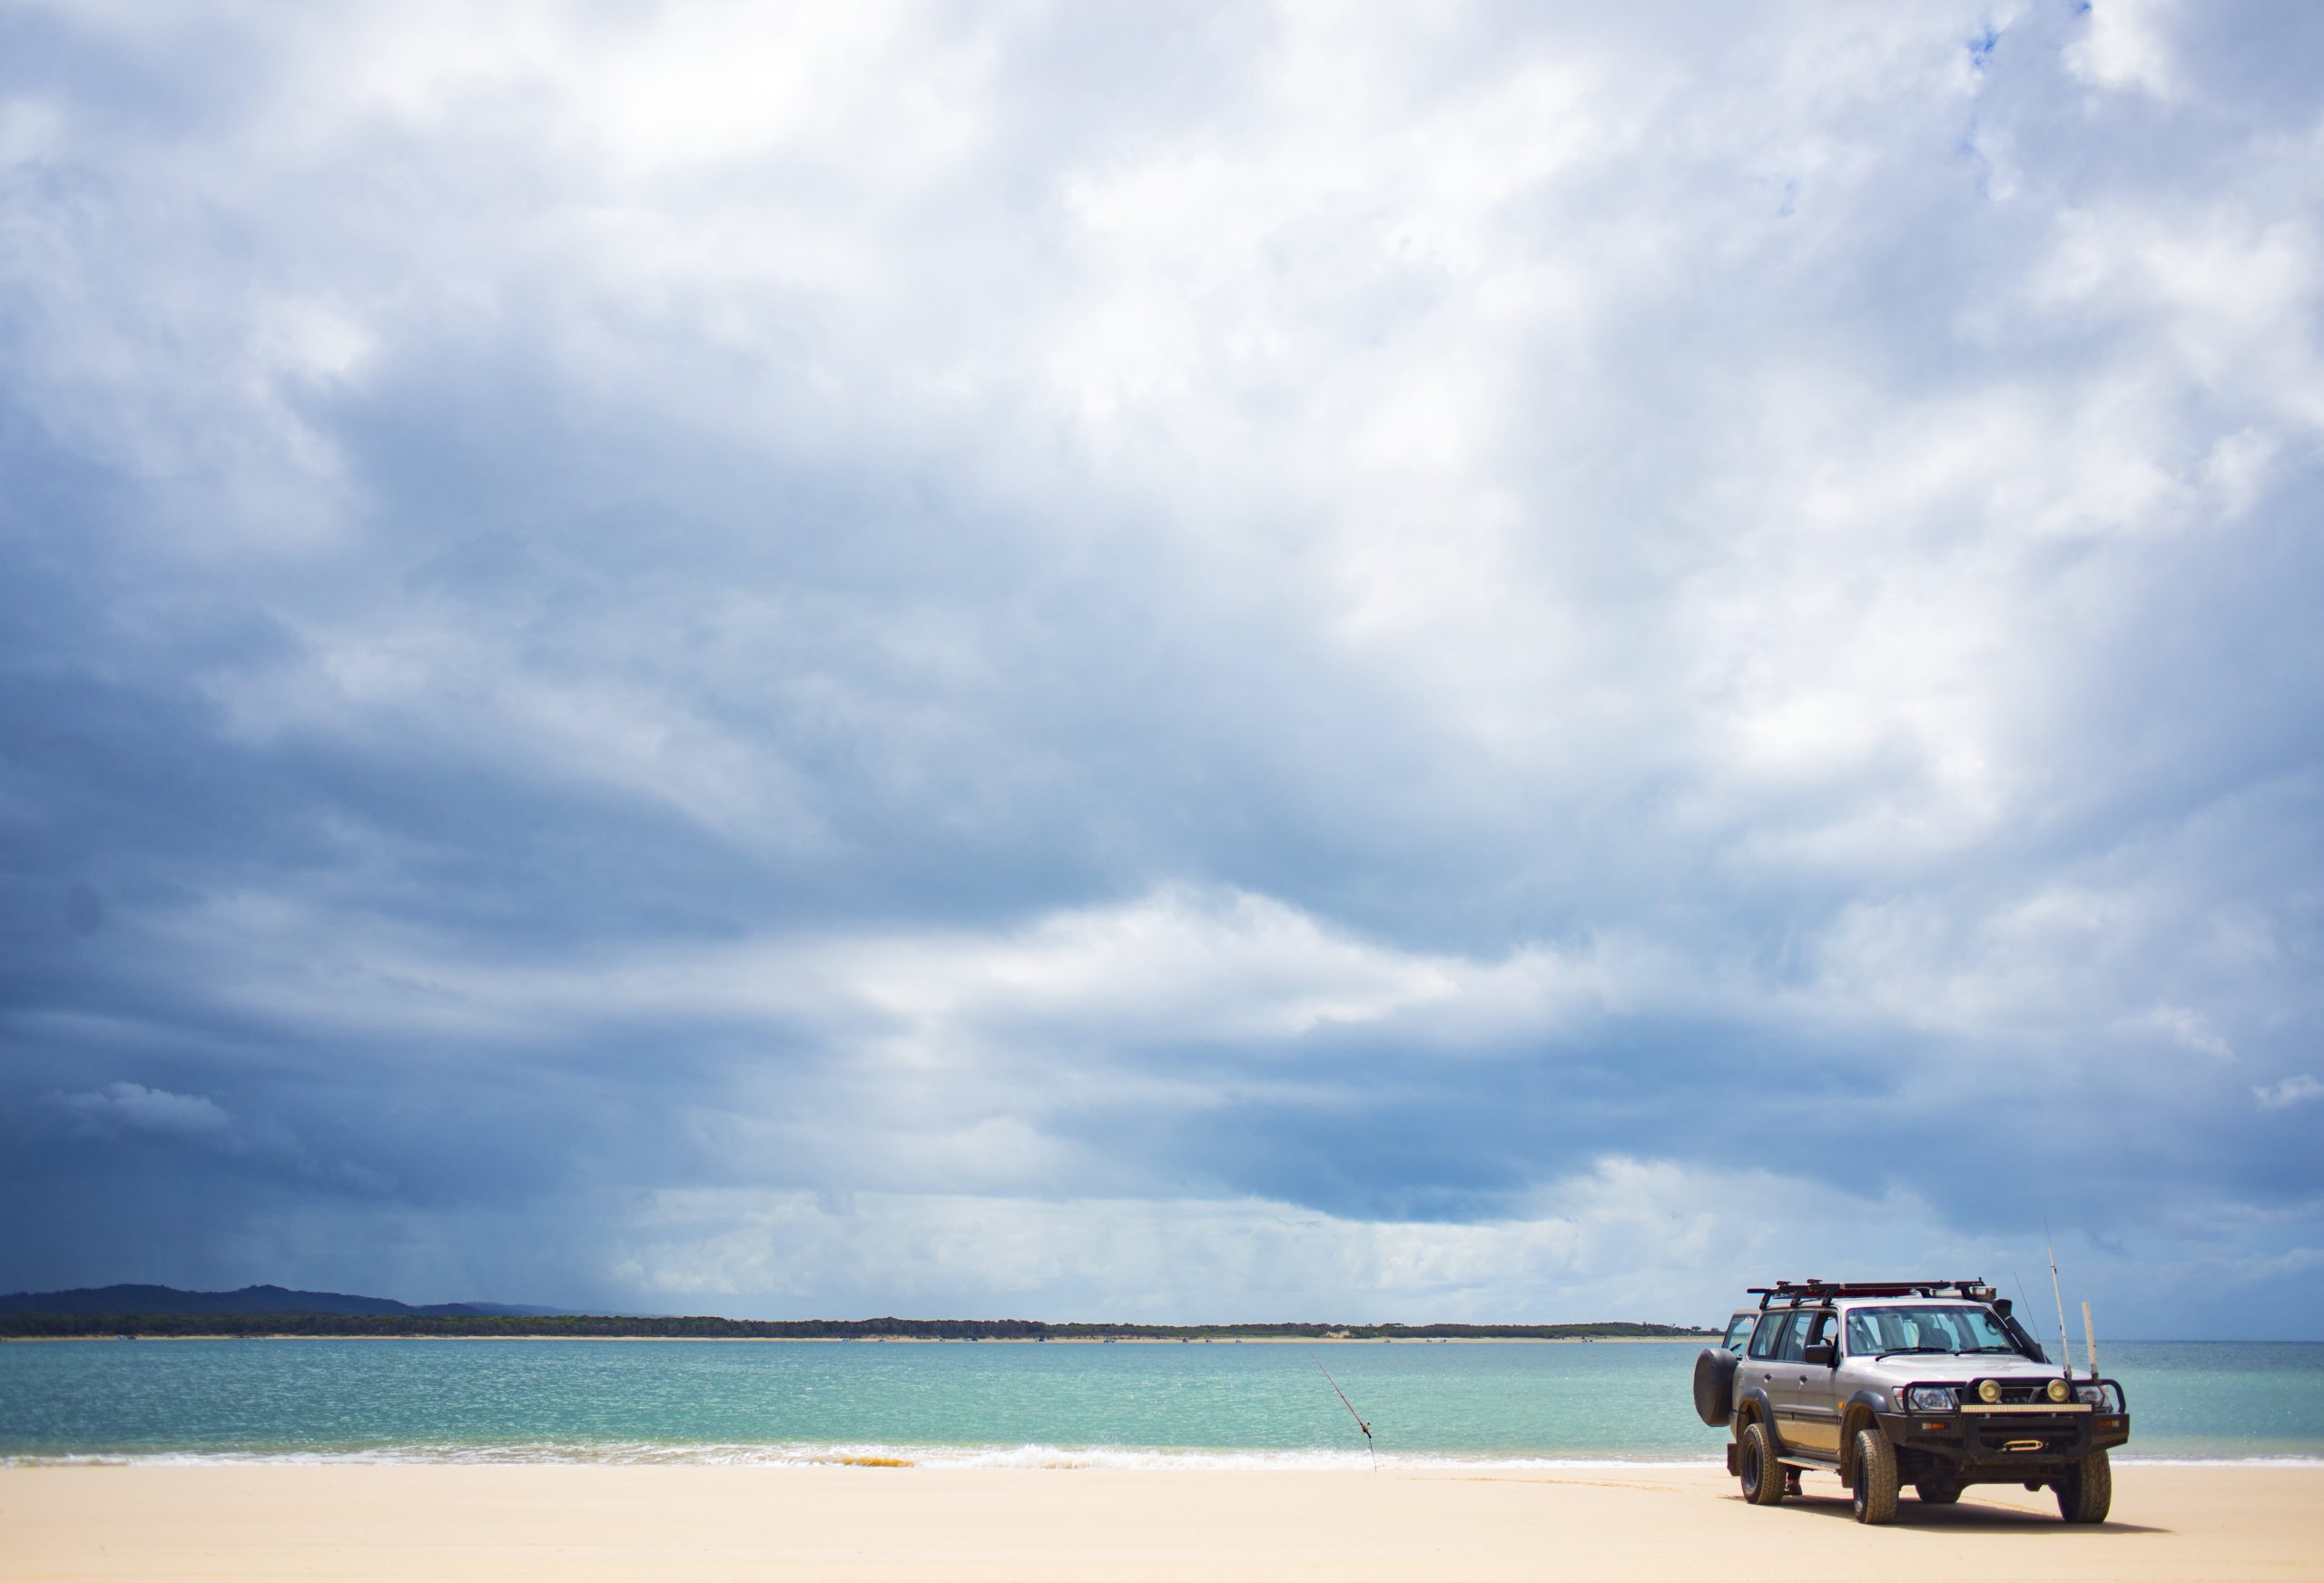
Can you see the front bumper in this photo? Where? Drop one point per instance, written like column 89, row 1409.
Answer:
column 2002, row 1438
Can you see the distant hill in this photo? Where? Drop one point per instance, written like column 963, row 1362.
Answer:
column 168, row 1300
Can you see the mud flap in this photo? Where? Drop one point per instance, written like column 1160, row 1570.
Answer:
column 1732, row 1471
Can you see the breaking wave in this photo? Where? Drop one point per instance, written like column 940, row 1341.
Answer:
column 880, row 1456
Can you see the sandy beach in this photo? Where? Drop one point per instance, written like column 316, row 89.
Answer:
column 838, row 1525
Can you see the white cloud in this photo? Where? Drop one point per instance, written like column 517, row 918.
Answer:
column 2298, row 1089
column 2125, row 45
column 1180, row 964
column 131, row 1107
column 2189, row 1029
column 30, row 130
column 1647, row 1240
column 1655, row 1240
column 2236, row 468
column 1467, row 281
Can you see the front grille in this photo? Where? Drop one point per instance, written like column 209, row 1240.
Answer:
column 2012, row 1395
column 2027, row 1395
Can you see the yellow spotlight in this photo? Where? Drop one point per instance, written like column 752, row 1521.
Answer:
column 1989, row 1392
column 2058, row 1391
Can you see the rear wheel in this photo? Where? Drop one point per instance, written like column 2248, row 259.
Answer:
column 1756, row 1465
column 2086, row 1489
column 1874, row 1494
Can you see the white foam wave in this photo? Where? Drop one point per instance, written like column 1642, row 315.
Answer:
column 2162, row 1459
column 1053, row 1456
column 1035, row 1456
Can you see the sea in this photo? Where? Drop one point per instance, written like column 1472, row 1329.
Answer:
column 1035, row 1404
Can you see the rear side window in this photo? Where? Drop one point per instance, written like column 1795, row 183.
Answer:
column 1738, row 1330
column 1769, row 1336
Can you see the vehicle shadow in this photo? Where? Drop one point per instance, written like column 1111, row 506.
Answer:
column 1966, row 1518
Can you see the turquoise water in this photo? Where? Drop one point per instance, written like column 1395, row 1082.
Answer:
column 992, row 1402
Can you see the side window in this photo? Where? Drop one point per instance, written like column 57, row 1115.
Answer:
column 1738, row 1330
column 1794, row 1337
column 1768, row 1337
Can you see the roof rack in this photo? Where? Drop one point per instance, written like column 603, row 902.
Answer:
column 1794, row 1293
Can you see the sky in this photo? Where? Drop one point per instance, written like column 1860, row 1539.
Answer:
column 1168, row 663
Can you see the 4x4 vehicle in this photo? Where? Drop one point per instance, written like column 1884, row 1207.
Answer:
column 1930, row 1383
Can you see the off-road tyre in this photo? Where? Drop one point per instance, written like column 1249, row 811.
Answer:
column 1938, row 1492
column 1715, row 1386
column 2086, row 1489
column 1755, row 1464
column 1874, row 1493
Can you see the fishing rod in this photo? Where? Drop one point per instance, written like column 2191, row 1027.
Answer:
column 1352, row 1412
column 2065, row 1347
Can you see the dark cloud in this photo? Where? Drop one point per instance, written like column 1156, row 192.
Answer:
column 1174, row 663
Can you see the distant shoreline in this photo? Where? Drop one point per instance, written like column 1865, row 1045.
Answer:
column 19, row 1320
column 156, row 1313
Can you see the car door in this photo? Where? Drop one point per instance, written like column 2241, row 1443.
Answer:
column 1762, row 1364
column 1807, row 1415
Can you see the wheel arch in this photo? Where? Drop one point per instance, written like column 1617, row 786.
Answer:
column 1862, row 1414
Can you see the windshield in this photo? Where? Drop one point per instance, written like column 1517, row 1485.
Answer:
column 1872, row 1330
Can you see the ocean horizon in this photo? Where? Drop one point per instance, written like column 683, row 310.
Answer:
column 1152, row 1404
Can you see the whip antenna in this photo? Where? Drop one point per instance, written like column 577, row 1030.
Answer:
column 1352, row 1412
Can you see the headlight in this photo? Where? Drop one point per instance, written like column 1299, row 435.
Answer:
column 2101, row 1397
column 2060, row 1390
column 1989, row 1392
column 1930, row 1399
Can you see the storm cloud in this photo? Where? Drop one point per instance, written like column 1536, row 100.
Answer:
column 1175, row 662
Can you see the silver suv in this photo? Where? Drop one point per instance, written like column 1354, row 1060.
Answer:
column 1930, row 1383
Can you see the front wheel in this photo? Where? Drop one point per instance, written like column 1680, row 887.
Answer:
column 2086, row 1489
column 1756, row 1465
column 1874, row 1494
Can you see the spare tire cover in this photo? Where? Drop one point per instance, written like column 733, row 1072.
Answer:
column 1715, row 1386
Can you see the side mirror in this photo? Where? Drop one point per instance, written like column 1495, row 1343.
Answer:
column 1822, row 1355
